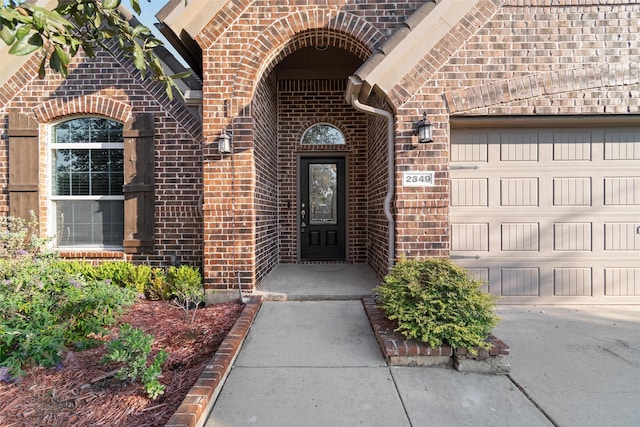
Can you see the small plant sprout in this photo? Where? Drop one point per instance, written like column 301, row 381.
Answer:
column 132, row 349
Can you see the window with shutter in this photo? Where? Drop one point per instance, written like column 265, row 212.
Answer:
column 102, row 180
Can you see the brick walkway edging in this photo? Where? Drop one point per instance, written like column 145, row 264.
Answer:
column 197, row 404
column 398, row 351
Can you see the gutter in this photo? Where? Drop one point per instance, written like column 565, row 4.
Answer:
column 354, row 86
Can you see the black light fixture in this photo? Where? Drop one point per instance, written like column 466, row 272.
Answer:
column 423, row 130
column 224, row 143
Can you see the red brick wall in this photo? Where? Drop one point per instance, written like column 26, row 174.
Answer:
column 255, row 36
column 249, row 44
column 548, row 58
column 268, row 202
column 111, row 88
column 377, row 187
column 538, row 57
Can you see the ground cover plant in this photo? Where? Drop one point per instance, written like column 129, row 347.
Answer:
column 81, row 345
column 436, row 302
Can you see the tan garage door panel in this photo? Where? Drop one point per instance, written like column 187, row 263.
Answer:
column 548, row 215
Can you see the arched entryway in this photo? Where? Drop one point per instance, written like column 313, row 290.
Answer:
column 316, row 183
column 272, row 103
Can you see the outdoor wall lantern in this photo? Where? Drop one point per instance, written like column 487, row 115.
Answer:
column 423, row 130
column 224, row 143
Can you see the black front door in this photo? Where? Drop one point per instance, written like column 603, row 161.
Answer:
column 322, row 209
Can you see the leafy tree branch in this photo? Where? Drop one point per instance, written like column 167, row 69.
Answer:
column 81, row 25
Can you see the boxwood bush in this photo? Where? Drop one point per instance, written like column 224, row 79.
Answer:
column 436, row 302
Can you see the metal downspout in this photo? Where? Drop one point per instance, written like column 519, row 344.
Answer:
column 391, row 171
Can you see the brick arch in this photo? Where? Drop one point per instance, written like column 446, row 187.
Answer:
column 299, row 30
column 92, row 104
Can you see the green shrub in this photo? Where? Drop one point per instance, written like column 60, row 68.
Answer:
column 140, row 278
column 46, row 305
column 435, row 301
column 44, row 310
column 122, row 273
column 77, row 268
column 186, row 287
column 19, row 237
column 157, row 287
column 132, row 349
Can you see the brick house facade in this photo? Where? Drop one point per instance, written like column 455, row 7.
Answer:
column 162, row 209
column 496, row 78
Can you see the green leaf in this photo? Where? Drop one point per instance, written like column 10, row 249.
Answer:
column 13, row 15
column 23, row 31
column 42, row 68
column 80, row 18
column 140, row 30
column 138, row 58
column 135, row 5
column 182, row 75
column 97, row 20
column 52, row 16
column 152, row 42
column 111, row 4
column 88, row 49
column 25, row 46
column 57, row 39
column 7, row 34
column 89, row 10
column 54, row 62
column 74, row 45
column 107, row 33
column 39, row 21
column 63, row 56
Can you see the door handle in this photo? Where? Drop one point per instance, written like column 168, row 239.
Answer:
column 303, row 214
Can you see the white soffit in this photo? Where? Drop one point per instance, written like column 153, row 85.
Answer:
column 415, row 45
column 191, row 17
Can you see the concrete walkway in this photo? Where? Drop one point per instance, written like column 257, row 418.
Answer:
column 316, row 363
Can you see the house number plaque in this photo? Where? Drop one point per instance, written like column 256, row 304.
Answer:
column 418, row 179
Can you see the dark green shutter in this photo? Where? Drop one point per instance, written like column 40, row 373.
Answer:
column 23, row 165
column 139, row 204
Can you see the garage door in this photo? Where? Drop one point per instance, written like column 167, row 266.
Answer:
column 548, row 215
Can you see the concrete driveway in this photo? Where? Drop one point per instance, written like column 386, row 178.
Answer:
column 579, row 364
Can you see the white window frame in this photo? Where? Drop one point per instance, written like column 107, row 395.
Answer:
column 52, row 147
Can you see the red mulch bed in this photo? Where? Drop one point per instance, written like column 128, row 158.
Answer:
column 84, row 392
